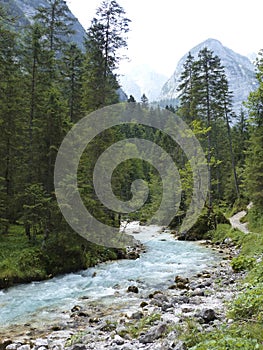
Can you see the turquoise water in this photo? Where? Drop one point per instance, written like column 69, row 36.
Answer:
column 165, row 258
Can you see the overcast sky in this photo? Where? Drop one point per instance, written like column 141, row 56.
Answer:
column 162, row 31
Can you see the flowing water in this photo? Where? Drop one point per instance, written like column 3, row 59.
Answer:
column 51, row 300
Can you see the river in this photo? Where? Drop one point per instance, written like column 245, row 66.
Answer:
column 41, row 303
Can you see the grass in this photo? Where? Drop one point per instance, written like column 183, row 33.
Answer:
column 22, row 261
column 135, row 328
column 19, row 259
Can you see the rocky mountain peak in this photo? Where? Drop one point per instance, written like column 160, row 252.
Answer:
column 239, row 70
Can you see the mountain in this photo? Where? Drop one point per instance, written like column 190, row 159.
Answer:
column 239, row 70
column 142, row 79
column 24, row 10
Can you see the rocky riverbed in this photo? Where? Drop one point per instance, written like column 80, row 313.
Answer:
column 154, row 321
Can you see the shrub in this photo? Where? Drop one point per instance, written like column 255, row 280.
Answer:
column 249, row 304
column 242, row 263
column 228, row 342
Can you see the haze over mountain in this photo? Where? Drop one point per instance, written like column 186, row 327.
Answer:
column 239, row 70
column 142, row 79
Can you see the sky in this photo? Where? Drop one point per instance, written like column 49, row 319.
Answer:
column 162, row 31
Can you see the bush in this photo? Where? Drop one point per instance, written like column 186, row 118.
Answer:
column 242, row 263
column 228, row 342
column 249, row 304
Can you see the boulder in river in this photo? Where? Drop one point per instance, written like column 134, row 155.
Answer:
column 133, row 289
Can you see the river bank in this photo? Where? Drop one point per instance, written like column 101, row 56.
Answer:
column 152, row 320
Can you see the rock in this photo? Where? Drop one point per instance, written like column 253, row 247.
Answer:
column 24, row 347
column 173, row 286
column 4, row 343
column 133, row 289
column 181, row 282
column 143, row 304
column 12, row 346
column 181, row 285
column 197, row 293
column 187, row 309
column 208, row 315
column 78, row 347
column 228, row 240
column 132, row 255
column 180, row 346
column 107, row 327
column 153, row 334
column 183, row 299
column 40, row 342
column 76, row 308
column 181, row 279
column 161, row 297
column 118, row 340
column 137, row 315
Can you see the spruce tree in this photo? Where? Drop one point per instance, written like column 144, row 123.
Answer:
column 12, row 122
column 254, row 155
column 106, row 38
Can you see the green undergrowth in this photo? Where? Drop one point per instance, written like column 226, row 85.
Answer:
column 135, row 328
column 23, row 261
column 246, row 311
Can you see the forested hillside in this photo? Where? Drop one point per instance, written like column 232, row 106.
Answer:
column 48, row 84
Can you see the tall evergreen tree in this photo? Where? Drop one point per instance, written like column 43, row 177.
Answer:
column 12, row 117
column 205, row 96
column 187, row 91
column 254, row 156
column 71, row 72
column 106, row 38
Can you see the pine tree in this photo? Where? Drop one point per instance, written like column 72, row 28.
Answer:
column 12, row 119
column 106, row 37
column 71, row 72
column 187, row 89
column 57, row 22
column 205, row 96
column 144, row 100
column 131, row 99
column 254, row 156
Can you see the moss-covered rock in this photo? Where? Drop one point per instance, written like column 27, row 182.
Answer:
column 205, row 223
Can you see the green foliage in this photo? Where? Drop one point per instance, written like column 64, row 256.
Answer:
column 238, row 336
column 239, row 205
column 227, row 342
column 137, row 327
column 255, row 219
column 242, row 263
column 256, row 274
column 75, row 338
column 21, row 261
column 205, row 97
column 106, row 37
column 248, row 304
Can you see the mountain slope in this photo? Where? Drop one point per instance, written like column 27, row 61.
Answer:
column 24, row 10
column 239, row 70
